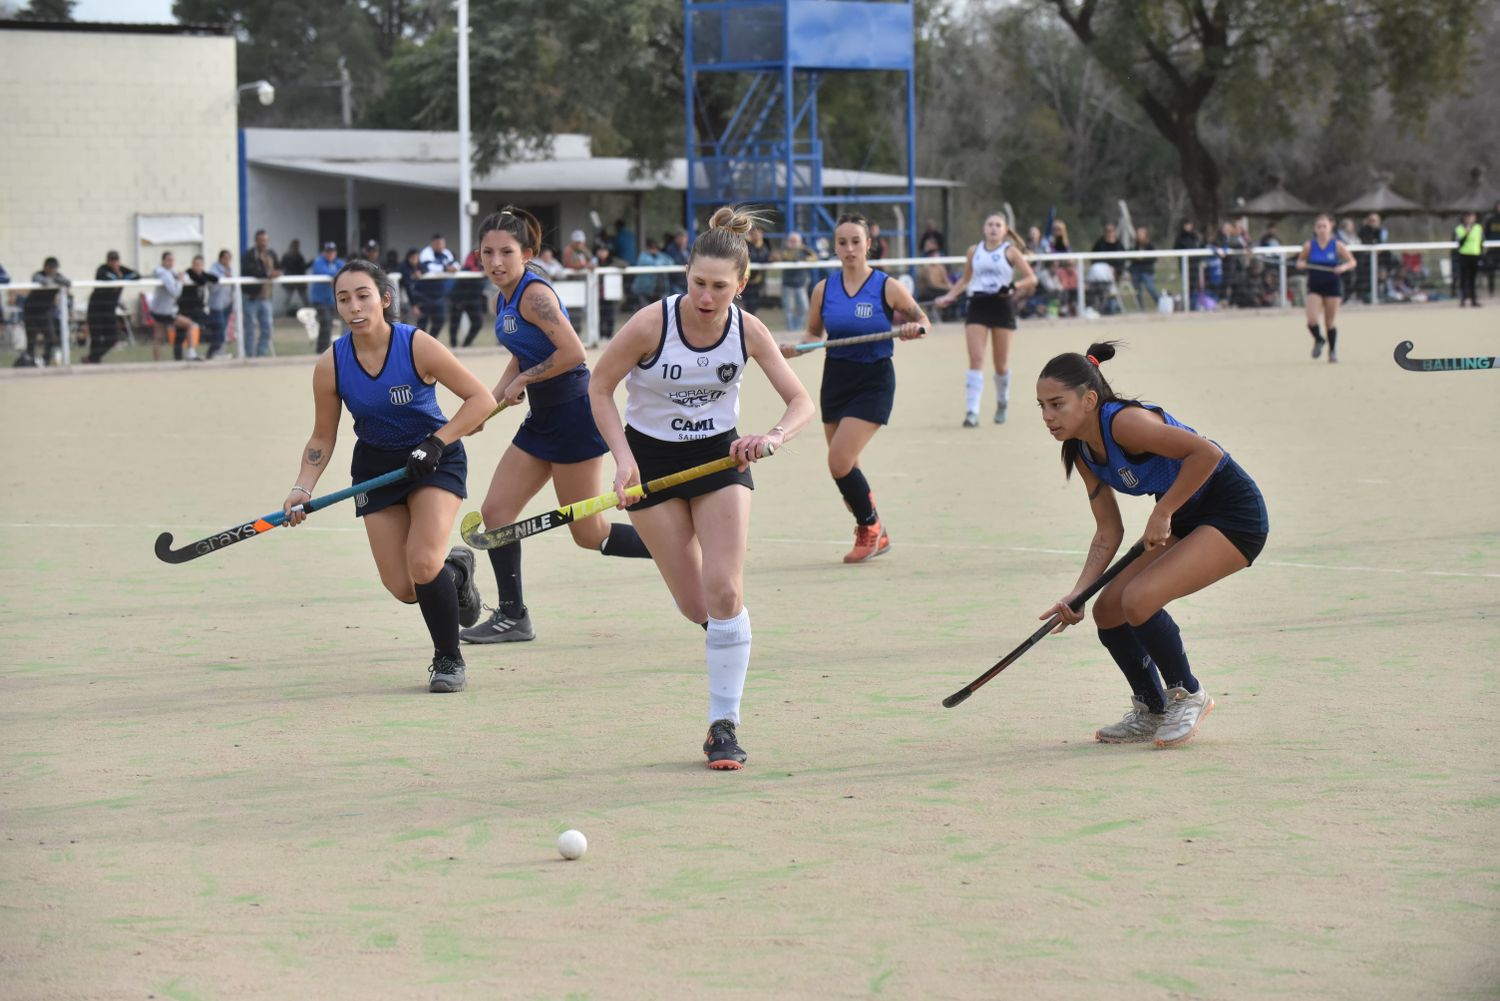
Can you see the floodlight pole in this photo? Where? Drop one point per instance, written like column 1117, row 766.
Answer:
column 465, row 166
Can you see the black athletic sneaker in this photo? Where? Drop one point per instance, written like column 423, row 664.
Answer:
column 723, row 751
column 461, row 558
column 500, row 628
column 447, row 674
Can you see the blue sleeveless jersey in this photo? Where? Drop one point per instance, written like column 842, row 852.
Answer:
column 864, row 312
column 1134, row 474
column 531, row 347
column 393, row 408
column 1327, row 256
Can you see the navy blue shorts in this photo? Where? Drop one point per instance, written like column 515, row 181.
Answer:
column 1232, row 503
column 866, row 390
column 561, row 432
column 1323, row 283
column 369, row 462
column 655, row 458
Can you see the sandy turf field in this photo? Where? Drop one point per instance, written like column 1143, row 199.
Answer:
column 226, row 780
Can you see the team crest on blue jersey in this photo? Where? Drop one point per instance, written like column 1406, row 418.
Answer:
column 1127, row 477
column 400, row 395
column 508, row 323
column 863, row 310
column 727, row 370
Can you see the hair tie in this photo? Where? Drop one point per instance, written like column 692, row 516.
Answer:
column 1092, row 360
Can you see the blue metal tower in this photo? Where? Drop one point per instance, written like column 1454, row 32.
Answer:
column 769, row 151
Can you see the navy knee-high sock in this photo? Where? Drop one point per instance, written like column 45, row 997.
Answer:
column 856, row 491
column 1136, row 664
column 1333, row 338
column 507, row 563
column 625, row 541
column 1312, row 328
column 1163, row 641
column 438, row 599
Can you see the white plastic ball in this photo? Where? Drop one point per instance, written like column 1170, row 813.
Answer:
column 572, row 844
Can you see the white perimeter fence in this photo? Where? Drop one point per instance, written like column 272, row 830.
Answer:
column 1074, row 283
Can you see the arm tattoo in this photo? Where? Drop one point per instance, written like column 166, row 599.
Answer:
column 1097, row 551
column 540, row 368
column 541, row 305
column 314, row 456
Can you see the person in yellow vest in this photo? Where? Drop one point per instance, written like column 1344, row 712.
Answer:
column 1470, row 237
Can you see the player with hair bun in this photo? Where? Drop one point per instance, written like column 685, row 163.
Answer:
column 557, row 441
column 384, row 372
column 995, row 273
column 1209, row 522
column 859, row 381
column 682, row 360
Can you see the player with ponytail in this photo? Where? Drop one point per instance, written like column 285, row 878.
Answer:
column 1209, row 522
column 682, row 360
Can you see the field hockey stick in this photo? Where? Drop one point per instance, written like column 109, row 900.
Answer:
column 839, row 342
column 1316, row 267
column 251, row 529
column 568, row 513
column 1471, row 363
column 1120, row 564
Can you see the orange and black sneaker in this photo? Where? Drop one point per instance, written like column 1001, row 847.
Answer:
column 870, row 541
column 723, row 751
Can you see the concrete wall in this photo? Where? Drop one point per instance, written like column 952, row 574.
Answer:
column 102, row 126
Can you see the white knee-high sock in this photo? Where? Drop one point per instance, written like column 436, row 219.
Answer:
column 1002, row 388
column 728, row 652
column 973, row 389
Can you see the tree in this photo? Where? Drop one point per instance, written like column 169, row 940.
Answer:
column 1259, row 59
column 47, row 10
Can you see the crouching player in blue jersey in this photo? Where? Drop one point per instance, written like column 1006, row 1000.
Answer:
column 384, row 372
column 558, row 440
column 1209, row 522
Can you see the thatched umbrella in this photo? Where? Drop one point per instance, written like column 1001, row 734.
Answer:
column 1275, row 203
column 1383, row 200
column 1477, row 197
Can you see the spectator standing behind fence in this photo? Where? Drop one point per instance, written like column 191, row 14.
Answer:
column 1470, row 238
column 794, row 282
column 1371, row 233
column 410, row 270
column 680, row 254
column 1491, row 261
column 645, row 289
column 1067, row 276
column 468, row 299
column 1143, row 269
column 755, row 287
column 604, row 258
column 1188, row 239
column 326, row 265
column 39, row 314
column 576, row 256
column 880, row 247
column 371, row 252
column 623, row 247
column 192, row 306
column 220, row 302
column 104, row 322
column 293, row 263
column 431, row 294
column 259, row 261
column 165, row 322
column 1109, row 243
column 551, row 267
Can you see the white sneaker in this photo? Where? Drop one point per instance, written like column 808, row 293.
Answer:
column 1184, row 713
column 1138, row 726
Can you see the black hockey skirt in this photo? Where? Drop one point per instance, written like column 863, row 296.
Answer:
column 1330, row 286
column 866, row 390
column 1232, row 503
column 991, row 311
column 562, row 432
column 657, row 458
column 369, row 462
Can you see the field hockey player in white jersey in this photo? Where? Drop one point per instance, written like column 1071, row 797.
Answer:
column 996, row 274
column 682, row 360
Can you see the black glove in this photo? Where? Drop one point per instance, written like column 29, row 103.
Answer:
column 1008, row 290
column 424, row 459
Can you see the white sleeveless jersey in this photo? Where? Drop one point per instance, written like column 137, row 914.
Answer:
column 683, row 393
column 991, row 270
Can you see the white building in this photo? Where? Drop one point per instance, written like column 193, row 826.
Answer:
column 117, row 137
column 408, row 183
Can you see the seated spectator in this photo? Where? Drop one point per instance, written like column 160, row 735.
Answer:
column 932, row 234
column 548, row 262
column 192, row 304
column 577, row 256
column 933, row 280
